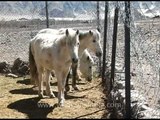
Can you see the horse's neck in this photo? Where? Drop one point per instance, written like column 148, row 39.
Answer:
column 80, row 51
column 62, row 45
column 83, row 36
column 62, row 42
column 84, row 56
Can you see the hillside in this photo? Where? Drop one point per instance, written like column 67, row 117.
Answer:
column 71, row 9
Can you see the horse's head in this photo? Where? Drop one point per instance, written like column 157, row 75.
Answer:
column 86, row 63
column 73, row 43
column 94, row 45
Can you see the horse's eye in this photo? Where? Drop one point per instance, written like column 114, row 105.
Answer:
column 77, row 43
column 90, row 67
column 94, row 40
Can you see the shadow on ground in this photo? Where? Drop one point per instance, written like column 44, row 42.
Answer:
column 24, row 81
column 26, row 91
column 30, row 108
column 30, row 91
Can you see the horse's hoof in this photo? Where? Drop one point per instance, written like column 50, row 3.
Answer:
column 75, row 88
column 67, row 88
column 41, row 96
column 61, row 104
column 80, row 79
column 52, row 95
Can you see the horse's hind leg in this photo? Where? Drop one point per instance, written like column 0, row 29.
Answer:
column 67, row 88
column 74, row 77
column 40, row 86
column 48, row 86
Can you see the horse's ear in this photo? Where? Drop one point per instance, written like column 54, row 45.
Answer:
column 77, row 32
column 67, row 33
column 98, row 29
column 90, row 32
column 87, row 57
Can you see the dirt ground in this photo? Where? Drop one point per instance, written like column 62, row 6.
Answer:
column 19, row 100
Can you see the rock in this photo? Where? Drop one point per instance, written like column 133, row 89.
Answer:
column 17, row 63
column 134, row 101
column 121, row 85
column 137, row 96
column 4, row 67
column 144, row 107
column 23, row 70
column 133, row 74
column 11, row 75
column 20, row 67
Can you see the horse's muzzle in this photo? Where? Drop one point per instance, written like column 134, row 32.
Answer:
column 74, row 60
column 98, row 54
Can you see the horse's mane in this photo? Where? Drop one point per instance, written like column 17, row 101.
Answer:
column 83, row 34
column 87, row 54
column 62, row 31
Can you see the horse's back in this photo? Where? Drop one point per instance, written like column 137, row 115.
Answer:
column 56, row 31
column 48, row 30
column 44, row 46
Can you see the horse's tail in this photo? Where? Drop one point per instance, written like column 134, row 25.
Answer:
column 33, row 68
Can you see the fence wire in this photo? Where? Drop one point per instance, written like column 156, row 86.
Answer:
column 145, row 55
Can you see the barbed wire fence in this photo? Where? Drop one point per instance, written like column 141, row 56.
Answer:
column 146, row 58
column 144, row 55
column 145, row 41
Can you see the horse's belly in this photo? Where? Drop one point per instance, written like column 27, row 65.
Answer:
column 44, row 62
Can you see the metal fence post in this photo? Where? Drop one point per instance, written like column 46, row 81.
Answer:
column 114, row 47
column 47, row 20
column 98, row 22
column 104, row 41
column 127, row 61
column 98, row 27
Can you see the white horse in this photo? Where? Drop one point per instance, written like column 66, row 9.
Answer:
column 86, row 61
column 85, row 67
column 88, row 40
column 49, row 52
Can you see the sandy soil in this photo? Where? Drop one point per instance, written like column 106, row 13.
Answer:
column 19, row 100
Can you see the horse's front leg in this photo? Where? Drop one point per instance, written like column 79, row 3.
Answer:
column 61, row 77
column 60, row 87
column 74, row 76
column 48, row 86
